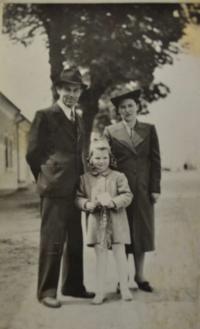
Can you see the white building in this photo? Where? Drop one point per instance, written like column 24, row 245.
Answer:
column 14, row 128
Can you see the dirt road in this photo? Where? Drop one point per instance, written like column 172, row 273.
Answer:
column 173, row 269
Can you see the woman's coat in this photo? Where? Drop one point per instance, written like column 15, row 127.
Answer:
column 139, row 160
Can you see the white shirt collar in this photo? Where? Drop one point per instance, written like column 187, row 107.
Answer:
column 128, row 128
column 67, row 110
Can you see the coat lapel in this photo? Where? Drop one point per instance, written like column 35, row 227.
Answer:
column 63, row 121
column 122, row 137
column 140, row 133
column 79, row 126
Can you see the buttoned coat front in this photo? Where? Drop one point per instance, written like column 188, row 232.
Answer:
column 116, row 185
column 54, row 153
column 139, row 159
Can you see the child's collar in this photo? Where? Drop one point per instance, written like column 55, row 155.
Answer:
column 94, row 172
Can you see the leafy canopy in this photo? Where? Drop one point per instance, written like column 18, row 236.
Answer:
column 114, row 43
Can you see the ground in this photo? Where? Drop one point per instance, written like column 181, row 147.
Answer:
column 173, row 269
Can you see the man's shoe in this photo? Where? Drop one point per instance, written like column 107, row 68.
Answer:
column 51, row 302
column 79, row 294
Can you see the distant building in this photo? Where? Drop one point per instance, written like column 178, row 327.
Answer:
column 14, row 128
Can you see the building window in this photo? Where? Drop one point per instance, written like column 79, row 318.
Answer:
column 8, row 153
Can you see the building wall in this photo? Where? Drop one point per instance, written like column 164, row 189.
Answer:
column 14, row 129
column 8, row 149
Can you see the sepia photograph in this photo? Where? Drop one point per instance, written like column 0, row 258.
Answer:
column 99, row 165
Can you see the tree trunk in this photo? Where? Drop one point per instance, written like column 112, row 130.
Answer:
column 55, row 25
column 89, row 104
column 58, row 38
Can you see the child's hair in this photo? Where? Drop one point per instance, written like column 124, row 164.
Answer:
column 100, row 145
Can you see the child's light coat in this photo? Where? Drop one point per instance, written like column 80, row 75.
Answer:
column 116, row 184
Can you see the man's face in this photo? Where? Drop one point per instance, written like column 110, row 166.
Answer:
column 128, row 110
column 69, row 94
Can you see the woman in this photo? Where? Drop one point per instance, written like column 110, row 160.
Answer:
column 136, row 149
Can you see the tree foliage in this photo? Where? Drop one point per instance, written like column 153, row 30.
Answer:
column 114, row 43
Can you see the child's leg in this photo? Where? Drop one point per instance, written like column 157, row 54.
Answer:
column 101, row 263
column 122, row 267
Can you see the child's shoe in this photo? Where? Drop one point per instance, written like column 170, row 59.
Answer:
column 98, row 299
column 126, row 295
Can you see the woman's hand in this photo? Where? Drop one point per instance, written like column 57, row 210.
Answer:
column 155, row 197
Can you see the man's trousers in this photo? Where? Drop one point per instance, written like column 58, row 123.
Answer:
column 60, row 236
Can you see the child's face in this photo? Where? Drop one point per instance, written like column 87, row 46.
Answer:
column 100, row 160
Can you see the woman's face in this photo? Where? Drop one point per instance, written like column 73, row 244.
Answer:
column 100, row 160
column 128, row 110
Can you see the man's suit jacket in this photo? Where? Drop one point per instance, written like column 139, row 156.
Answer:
column 54, row 152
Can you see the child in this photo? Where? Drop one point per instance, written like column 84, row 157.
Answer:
column 104, row 194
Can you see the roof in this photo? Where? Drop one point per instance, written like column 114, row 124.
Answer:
column 21, row 117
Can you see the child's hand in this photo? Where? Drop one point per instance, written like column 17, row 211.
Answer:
column 90, row 206
column 110, row 205
column 104, row 199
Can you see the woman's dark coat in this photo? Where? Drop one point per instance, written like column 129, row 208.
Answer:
column 139, row 160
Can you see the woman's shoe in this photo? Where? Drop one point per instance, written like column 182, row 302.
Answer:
column 118, row 288
column 98, row 299
column 144, row 285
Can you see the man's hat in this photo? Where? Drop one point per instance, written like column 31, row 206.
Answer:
column 71, row 75
column 124, row 94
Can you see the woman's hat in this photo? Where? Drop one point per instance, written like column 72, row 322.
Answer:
column 71, row 75
column 124, row 94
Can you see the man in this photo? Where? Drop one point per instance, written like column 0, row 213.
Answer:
column 54, row 155
column 136, row 149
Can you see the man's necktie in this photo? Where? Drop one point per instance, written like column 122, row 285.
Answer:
column 132, row 134
column 72, row 116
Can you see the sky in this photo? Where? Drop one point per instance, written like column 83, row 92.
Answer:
column 26, row 82
column 177, row 117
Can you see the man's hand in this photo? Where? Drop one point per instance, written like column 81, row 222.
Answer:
column 155, row 197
